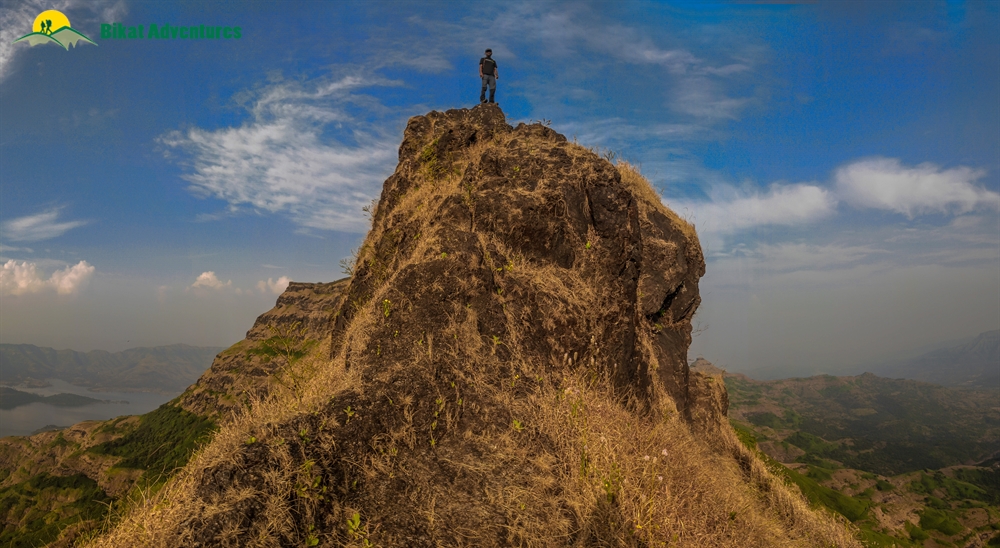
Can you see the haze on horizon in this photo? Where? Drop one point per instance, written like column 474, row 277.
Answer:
column 841, row 161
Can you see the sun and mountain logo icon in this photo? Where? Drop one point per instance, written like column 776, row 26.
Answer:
column 51, row 26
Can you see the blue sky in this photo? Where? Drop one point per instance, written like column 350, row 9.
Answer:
column 839, row 160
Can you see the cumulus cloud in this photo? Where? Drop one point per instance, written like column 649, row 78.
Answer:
column 284, row 161
column 16, row 19
column 23, row 277
column 731, row 211
column 41, row 226
column 208, row 280
column 885, row 183
column 276, row 287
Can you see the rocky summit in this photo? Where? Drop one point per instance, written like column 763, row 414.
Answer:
column 506, row 366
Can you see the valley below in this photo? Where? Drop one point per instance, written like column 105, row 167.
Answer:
column 909, row 463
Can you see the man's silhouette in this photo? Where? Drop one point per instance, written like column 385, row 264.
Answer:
column 489, row 75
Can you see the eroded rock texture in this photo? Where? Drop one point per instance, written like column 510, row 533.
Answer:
column 499, row 259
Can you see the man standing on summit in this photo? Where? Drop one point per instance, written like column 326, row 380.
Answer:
column 488, row 73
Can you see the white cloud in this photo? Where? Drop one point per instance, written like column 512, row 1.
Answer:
column 280, row 161
column 208, row 280
column 703, row 98
column 697, row 84
column 276, row 287
column 20, row 278
column 566, row 30
column 731, row 211
column 41, row 226
column 16, row 20
column 885, row 183
column 8, row 248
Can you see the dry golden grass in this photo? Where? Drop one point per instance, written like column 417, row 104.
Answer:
column 669, row 488
column 159, row 518
column 642, row 189
column 561, row 459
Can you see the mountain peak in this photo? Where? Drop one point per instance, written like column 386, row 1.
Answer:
column 506, row 366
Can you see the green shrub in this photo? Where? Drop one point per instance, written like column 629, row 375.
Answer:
column 987, row 480
column 844, row 505
column 163, row 440
column 19, row 503
column 934, row 502
column 938, row 520
column 916, row 533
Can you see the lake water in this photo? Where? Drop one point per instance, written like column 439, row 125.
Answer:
column 25, row 419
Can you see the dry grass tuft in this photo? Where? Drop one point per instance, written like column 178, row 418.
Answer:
column 647, row 481
column 643, row 189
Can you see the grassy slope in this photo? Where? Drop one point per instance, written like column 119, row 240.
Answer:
column 36, row 508
column 30, row 505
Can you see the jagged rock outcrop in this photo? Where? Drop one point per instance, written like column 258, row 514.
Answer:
column 500, row 259
column 556, row 207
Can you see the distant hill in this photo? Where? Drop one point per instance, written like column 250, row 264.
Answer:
column 896, row 457
column 162, row 369
column 886, row 426
column 972, row 364
column 10, row 398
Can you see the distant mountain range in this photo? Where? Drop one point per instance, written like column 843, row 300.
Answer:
column 10, row 398
column 162, row 369
column 972, row 364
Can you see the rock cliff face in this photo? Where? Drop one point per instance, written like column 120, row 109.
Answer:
column 509, row 353
column 541, row 245
column 500, row 260
column 539, row 201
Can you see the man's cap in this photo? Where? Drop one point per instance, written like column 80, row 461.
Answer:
column 488, row 50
